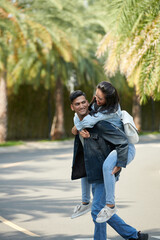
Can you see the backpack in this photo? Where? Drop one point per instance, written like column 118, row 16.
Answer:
column 129, row 127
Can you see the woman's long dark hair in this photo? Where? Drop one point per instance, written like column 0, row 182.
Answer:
column 111, row 96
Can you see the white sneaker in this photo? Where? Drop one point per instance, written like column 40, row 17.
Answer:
column 80, row 210
column 105, row 214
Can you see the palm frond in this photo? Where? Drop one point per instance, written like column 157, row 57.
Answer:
column 133, row 43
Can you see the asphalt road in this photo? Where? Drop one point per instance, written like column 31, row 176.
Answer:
column 37, row 196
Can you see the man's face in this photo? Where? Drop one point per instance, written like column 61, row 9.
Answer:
column 80, row 106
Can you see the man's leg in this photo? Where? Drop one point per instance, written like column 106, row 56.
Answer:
column 98, row 203
column 123, row 229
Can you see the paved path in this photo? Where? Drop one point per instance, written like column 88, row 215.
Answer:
column 37, row 195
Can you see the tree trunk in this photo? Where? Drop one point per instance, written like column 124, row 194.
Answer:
column 3, row 108
column 57, row 130
column 153, row 114
column 136, row 110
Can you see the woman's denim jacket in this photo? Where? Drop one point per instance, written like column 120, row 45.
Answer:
column 88, row 160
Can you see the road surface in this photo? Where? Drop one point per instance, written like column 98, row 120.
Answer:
column 37, row 196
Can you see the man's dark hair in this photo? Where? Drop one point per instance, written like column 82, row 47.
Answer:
column 76, row 94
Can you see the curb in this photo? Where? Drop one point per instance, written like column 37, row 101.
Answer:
column 149, row 138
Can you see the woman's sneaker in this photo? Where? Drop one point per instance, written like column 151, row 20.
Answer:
column 105, row 214
column 81, row 209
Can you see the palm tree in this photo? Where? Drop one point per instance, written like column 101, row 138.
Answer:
column 133, row 45
column 7, row 25
column 18, row 36
column 56, row 16
column 73, row 32
column 3, row 109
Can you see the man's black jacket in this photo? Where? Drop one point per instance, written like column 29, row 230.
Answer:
column 88, row 160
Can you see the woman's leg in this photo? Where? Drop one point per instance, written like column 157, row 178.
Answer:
column 109, row 179
column 85, row 205
column 85, row 186
column 109, row 183
column 131, row 153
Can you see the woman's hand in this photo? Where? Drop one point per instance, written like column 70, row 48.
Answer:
column 84, row 133
column 115, row 170
column 74, row 130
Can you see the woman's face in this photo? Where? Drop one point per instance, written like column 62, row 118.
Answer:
column 100, row 97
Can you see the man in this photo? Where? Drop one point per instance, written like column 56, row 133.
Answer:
column 88, row 158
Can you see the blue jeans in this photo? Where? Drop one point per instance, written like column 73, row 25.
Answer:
column 123, row 229
column 85, row 186
column 109, row 179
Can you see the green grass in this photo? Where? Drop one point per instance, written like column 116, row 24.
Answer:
column 16, row 143
column 146, row 133
column 63, row 139
column 11, row 143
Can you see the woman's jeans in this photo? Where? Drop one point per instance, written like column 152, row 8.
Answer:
column 85, row 186
column 115, row 221
column 109, row 179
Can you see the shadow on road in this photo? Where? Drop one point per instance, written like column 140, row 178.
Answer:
column 153, row 235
